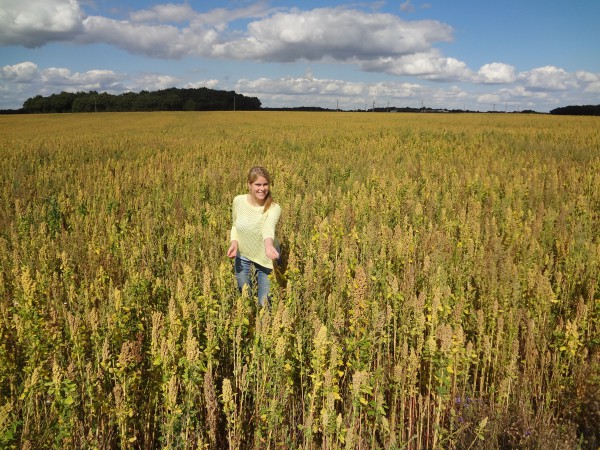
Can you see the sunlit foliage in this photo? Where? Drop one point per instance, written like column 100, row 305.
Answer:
column 439, row 286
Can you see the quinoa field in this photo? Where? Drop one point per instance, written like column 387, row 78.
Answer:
column 439, row 286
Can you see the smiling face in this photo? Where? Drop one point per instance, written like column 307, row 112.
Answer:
column 259, row 189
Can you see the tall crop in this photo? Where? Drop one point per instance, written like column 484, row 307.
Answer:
column 439, row 285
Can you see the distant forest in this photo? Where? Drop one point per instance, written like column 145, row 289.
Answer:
column 173, row 99
column 584, row 110
column 203, row 99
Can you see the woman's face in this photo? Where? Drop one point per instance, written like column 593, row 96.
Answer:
column 259, row 189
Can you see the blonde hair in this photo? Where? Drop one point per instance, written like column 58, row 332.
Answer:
column 259, row 171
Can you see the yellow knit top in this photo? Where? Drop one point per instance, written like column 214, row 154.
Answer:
column 251, row 226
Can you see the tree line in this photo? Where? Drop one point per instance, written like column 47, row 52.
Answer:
column 578, row 110
column 200, row 99
column 172, row 99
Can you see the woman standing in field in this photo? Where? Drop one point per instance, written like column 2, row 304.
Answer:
column 255, row 216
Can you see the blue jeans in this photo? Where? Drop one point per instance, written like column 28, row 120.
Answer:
column 244, row 277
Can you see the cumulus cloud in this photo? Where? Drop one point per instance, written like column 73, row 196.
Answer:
column 587, row 77
column 300, row 86
column 430, row 65
column 106, row 80
column 211, row 84
column 322, row 34
column 357, row 35
column 25, row 72
column 496, row 73
column 332, row 93
column 378, row 42
column 155, row 82
column 25, row 80
column 313, row 35
column 593, row 88
column 488, row 98
column 60, row 77
column 56, row 79
column 522, row 93
column 152, row 33
column 159, row 41
column 548, row 78
column 310, row 90
column 182, row 13
column 33, row 23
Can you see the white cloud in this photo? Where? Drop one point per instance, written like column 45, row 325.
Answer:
column 25, row 80
column 218, row 18
column 316, row 35
column 357, row 36
column 548, row 78
column 496, row 73
column 56, row 75
column 160, row 41
column 488, row 99
column 21, row 81
column 390, row 90
column 516, row 98
column 377, row 42
column 521, row 92
column 211, row 84
column 311, row 91
column 429, row 65
column 593, row 88
column 322, row 34
column 58, row 79
column 456, row 93
column 587, row 77
column 25, row 72
column 33, row 23
column 155, row 82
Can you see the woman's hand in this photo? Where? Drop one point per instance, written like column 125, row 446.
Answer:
column 272, row 253
column 270, row 250
column 233, row 249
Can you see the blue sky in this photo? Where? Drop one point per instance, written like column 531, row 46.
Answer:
column 465, row 54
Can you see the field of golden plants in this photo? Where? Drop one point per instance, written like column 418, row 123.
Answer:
column 439, row 286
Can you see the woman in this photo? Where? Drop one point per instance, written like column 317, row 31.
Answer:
column 255, row 216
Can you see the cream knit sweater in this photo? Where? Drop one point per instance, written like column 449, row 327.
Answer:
column 251, row 227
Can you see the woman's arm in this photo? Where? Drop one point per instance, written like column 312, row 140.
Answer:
column 233, row 247
column 269, row 231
